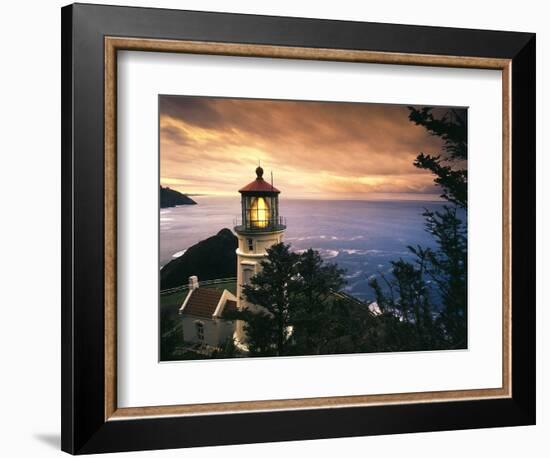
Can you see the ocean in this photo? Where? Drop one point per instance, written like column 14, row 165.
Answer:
column 362, row 237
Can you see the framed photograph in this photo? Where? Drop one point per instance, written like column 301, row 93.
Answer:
column 281, row 228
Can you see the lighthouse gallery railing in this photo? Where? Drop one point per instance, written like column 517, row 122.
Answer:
column 255, row 225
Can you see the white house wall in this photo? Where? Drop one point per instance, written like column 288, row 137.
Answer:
column 216, row 331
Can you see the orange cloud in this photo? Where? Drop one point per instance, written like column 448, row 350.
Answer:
column 315, row 149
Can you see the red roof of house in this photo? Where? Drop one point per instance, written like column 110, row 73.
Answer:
column 230, row 306
column 203, row 302
column 259, row 184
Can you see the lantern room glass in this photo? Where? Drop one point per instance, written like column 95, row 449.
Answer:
column 260, row 212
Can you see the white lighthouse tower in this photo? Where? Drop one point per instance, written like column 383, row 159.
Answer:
column 259, row 228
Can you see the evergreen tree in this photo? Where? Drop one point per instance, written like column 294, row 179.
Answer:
column 295, row 309
column 315, row 311
column 449, row 166
column 170, row 337
column 272, row 290
column 447, row 266
column 437, row 275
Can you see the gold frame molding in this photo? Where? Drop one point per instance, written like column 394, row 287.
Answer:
column 114, row 44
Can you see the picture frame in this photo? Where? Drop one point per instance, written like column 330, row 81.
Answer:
column 92, row 35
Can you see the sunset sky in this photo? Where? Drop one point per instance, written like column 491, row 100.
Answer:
column 317, row 150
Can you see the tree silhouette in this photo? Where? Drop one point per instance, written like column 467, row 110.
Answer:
column 449, row 166
column 294, row 307
column 271, row 290
column 314, row 309
column 437, row 275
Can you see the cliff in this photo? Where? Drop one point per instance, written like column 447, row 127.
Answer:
column 209, row 259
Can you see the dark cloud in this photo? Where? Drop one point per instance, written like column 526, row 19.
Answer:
column 193, row 110
column 174, row 135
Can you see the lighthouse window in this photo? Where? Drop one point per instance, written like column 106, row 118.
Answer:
column 250, row 244
column 259, row 213
column 247, row 274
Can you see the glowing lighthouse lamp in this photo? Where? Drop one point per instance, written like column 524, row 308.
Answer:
column 259, row 228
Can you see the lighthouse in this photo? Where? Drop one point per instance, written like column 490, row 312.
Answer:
column 259, row 227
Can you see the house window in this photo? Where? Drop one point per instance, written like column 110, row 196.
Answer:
column 200, row 331
column 250, row 244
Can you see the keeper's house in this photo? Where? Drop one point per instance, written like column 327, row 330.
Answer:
column 201, row 313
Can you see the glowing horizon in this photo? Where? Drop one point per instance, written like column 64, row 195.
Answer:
column 316, row 150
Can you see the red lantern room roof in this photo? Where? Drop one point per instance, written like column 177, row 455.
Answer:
column 259, row 184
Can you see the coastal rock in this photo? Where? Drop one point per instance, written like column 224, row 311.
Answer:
column 171, row 198
column 209, row 259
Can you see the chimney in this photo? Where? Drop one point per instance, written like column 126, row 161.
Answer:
column 193, row 283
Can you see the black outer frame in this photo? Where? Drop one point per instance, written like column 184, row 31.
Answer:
column 84, row 429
